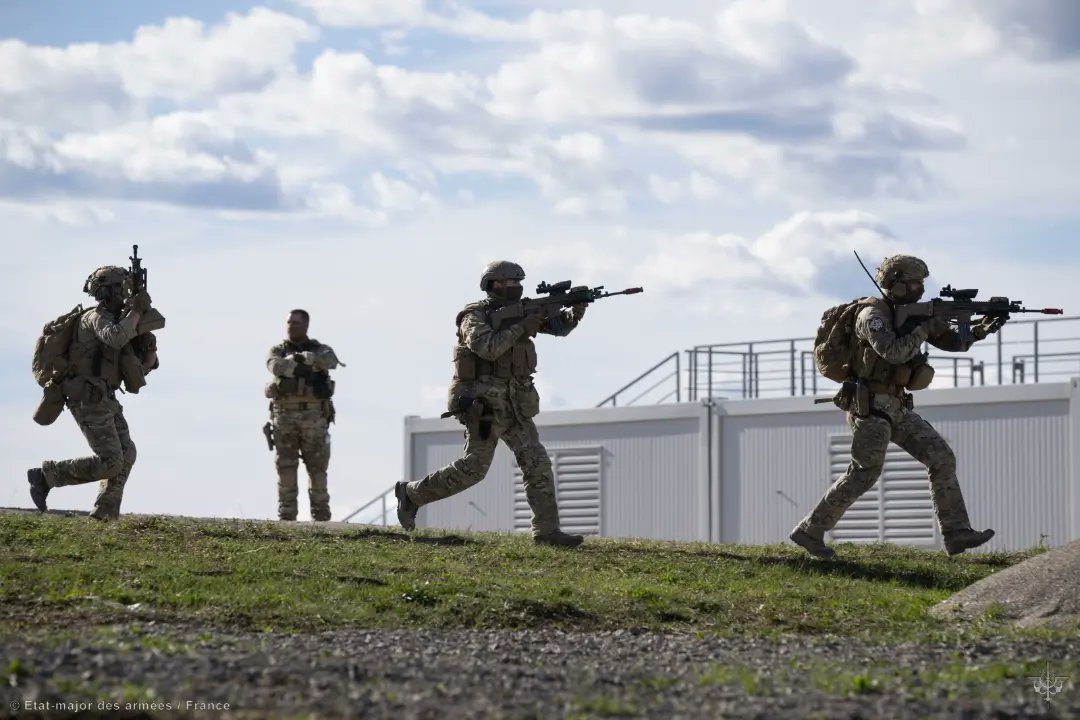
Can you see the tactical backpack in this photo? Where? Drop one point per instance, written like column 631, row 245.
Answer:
column 836, row 343
column 51, row 361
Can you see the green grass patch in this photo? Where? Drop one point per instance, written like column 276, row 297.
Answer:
column 954, row 679
column 266, row 576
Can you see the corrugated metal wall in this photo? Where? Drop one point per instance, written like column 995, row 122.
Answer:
column 653, row 480
column 1013, row 448
column 768, row 462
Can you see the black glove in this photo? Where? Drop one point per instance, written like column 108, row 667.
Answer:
column 302, row 370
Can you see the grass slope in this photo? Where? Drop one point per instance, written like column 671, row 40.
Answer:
column 261, row 575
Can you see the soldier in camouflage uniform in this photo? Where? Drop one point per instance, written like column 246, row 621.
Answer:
column 301, row 410
column 493, row 395
column 887, row 362
column 106, row 351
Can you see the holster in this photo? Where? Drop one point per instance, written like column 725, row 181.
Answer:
column 863, row 404
column 268, row 431
column 845, row 396
column 473, row 413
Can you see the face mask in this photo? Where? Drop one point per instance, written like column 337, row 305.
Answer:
column 508, row 294
column 906, row 292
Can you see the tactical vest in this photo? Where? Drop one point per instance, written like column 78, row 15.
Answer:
column 318, row 385
column 518, row 362
column 915, row 374
column 93, row 359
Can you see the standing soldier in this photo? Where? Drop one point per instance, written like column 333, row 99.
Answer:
column 887, row 364
column 493, row 395
column 301, row 411
column 106, row 350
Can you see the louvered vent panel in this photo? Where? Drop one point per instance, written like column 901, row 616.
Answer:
column 898, row 509
column 577, row 489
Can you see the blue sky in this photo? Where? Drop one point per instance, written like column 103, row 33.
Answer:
column 365, row 160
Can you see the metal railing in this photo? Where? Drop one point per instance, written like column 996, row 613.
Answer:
column 385, row 508
column 660, row 375
column 1024, row 351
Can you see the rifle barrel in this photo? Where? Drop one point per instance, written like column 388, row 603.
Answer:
column 628, row 291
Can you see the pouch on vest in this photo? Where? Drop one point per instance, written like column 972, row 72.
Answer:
column 322, row 386
column 519, row 364
column 272, row 391
column 526, row 399
column 464, row 363
column 51, row 405
column 504, row 365
column 901, row 375
column 131, row 372
column 921, row 378
column 288, row 386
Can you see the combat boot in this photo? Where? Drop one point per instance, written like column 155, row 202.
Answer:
column 958, row 541
column 558, row 539
column 811, row 544
column 104, row 515
column 406, row 508
column 39, row 487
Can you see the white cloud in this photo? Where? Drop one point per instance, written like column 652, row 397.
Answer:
column 696, row 186
column 366, row 13
column 810, row 253
column 576, row 171
column 1042, row 30
column 179, row 60
column 665, row 190
column 178, row 158
column 397, row 196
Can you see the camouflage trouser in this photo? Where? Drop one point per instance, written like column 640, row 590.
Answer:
column 869, row 441
column 102, row 422
column 302, row 432
column 513, row 409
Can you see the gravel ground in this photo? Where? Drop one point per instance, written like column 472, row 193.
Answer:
column 496, row 674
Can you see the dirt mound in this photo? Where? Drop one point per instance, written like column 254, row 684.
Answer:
column 1042, row 590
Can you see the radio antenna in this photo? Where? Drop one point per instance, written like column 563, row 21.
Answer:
column 869, row 275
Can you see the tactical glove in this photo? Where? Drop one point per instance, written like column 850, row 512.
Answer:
column 936, row 326
column 578, row 311
column 302, row 370
column 310, row 358
column 140, row 302
column 532, row 323
column 987, row 326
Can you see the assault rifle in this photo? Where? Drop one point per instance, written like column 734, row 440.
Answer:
column 151, row 320
column 960, row 306
column 558, row 296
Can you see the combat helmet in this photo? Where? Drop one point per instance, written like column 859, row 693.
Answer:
column 104, row 277
column 500, row 270
column 901, row 268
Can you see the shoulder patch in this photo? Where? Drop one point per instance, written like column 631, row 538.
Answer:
column 877, row 324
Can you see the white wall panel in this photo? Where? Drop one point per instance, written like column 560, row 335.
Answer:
column 769, row 463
